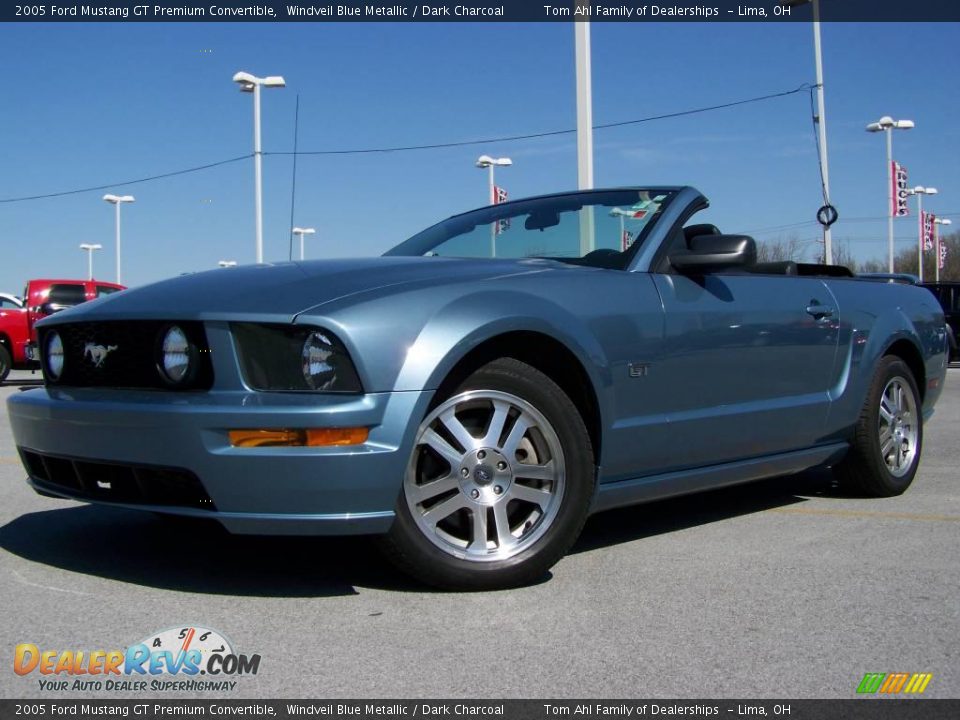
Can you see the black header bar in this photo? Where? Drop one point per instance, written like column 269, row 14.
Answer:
column 874, row 708
column 634, row 11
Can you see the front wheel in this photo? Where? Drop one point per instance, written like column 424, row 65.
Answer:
column 885, row 452
column 6, row 362
column 498, row 485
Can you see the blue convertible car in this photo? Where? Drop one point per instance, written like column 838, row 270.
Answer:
column 478, row 391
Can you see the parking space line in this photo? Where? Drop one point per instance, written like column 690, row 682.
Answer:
column 867, row 514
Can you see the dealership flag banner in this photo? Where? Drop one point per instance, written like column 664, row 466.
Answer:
column 625, row 240
column 500, row 196
column 898, row 190
column 927, row 229
column 943, row 252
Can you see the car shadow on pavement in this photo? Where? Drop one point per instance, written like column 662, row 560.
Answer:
column 24, row 384
column 199, row 556
column 196, row 555
column 665, row 516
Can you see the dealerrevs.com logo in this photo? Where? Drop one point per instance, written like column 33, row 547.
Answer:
column 894, row 683
column 185, row 658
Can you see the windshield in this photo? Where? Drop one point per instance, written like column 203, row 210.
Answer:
column 602, row 228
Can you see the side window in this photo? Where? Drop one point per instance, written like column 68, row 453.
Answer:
column 6, row 304
column 67, row 295
column 106, row 290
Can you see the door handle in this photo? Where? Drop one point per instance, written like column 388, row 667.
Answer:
column 819, row 311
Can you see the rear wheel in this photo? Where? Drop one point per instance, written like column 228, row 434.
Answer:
column 498, row 485
column 885, row 452
column 6, row 362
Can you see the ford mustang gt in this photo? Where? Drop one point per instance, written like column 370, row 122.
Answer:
column 476, row 393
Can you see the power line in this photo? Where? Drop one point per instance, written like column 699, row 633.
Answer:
column 108, row 186
column 433, row 146
column 789, row 226
column 550, row 133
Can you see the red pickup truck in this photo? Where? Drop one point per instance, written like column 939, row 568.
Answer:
column 40, row 298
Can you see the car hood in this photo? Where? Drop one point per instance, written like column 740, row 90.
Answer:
column 288, row 289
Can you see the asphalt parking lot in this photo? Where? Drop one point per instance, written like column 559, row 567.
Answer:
column 782, row 589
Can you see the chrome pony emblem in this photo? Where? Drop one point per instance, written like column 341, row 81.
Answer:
column 97, row 353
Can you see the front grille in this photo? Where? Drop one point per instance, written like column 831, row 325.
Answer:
column 124, row 354
column 116, row 482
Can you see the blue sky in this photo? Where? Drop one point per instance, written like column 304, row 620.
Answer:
column 87, row 104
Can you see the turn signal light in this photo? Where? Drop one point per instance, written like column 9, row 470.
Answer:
column 314, row 437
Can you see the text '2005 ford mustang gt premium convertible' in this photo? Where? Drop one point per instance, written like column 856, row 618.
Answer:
column 476, row 393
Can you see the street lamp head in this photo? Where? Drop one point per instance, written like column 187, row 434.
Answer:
column 943, row 221
column 888, row 123
column 227, row 263
column 303, row 231
column 247, row 81
column 485, row 161
column 119, row 198
column 921, row 190
column 88, row 246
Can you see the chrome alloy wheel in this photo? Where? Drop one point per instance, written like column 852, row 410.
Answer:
column 897, row 426
column 486, row 477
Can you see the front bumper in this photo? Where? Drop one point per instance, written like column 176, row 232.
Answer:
column 267, row 490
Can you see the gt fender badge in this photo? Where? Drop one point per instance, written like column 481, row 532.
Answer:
column 97, row 353
column 638, row 369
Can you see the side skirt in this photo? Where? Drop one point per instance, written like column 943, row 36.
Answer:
column 683, row 482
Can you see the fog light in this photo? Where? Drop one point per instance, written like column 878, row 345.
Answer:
column 314, row 437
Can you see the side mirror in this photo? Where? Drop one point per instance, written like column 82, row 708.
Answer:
column 49, row 308
column 709, row 253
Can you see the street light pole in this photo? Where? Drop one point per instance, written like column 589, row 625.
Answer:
column 116, row 201
column 621, row 213
column 584, row 128
column 301, row 232
column 822, row 126
column 919, row 191
column 90, row 248
column 937, row 222
column 887, row 124
column 485, row 161
column 251, row 83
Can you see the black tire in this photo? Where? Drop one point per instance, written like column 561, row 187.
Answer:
column 953, row 352
column 418, row 552
column 6, row 362
column 865, row 470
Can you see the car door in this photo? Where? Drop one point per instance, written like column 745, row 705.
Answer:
column 747, row 362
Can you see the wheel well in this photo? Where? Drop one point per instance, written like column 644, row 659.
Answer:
column 549, row 356
column 5, row 341
column 907, row 351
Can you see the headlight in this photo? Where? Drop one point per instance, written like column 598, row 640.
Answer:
column 177, row 357
column 317, row 372
column 288, row 358
column 54, row 355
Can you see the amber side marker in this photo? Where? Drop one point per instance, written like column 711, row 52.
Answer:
column 314, row 437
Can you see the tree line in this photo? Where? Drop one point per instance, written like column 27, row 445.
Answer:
column 905, row 261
